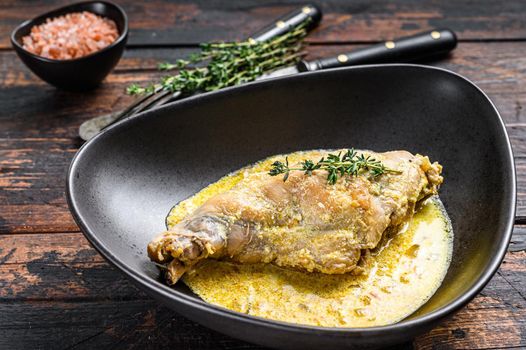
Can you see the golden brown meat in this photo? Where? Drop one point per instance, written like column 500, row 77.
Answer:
column 303, row 223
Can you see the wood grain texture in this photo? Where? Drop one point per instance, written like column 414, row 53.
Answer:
column 64, row 266
column 133, row 324
column 188, row 22
column 57, row 292
column 71, row 288
column 39, row 140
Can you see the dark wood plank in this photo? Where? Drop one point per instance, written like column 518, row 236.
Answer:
column 498, row 68
column 38, row 124
column 56, row 292
column 65, row 290
column 42, row 248
column 518, row 241
column 45, row 279
column 113, row 325
column 65, row 266
column 496, row 318
column 62, row 266
column 138, row 324
column 110, row 325
column 188, row 22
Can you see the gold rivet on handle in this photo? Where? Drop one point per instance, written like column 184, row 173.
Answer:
column 390, row 44
column 280, row 24
column 252, row 41
column 342, row 58
column 306, row 10
column 435, row 34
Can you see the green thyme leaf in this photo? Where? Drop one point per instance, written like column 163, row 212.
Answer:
column 336, row 165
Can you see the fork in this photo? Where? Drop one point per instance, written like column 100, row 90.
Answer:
column 93, row 126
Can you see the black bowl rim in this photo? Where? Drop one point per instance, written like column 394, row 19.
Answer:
column 53, row 13
column 168, row 293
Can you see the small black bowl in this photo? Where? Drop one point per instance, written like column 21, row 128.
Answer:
column 81, row 73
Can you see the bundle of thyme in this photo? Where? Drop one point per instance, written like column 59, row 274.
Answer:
column 223, row 64
column 337, row 165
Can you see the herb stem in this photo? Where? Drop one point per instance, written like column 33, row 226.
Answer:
column 229, row 63
column 337, row 165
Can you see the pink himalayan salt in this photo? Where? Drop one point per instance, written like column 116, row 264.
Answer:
column 71, row 36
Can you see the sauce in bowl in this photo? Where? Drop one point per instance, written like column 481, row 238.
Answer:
column 395, row 279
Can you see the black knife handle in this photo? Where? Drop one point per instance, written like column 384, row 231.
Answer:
column 408, row 49
column 289, row 21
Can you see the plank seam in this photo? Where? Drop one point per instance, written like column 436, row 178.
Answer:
column 511, row 284
column 3, row 233
column 86, row 339
column 194, row 45
column 80, row 300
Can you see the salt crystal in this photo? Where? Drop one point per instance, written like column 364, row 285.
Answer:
column 71, row 36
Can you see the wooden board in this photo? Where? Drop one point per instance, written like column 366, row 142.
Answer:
column 57, row 292
column 39, row 140
column 68, row 285
column 188, row 22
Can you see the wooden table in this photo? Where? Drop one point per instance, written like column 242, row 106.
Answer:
column 57, row 292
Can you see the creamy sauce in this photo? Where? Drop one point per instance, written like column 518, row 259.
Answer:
column 394, row 280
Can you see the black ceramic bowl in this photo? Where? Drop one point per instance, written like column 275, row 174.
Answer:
column 123, row 182
column 82, row 73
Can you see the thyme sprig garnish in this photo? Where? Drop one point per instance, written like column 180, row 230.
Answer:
column 348, row 163
column 224, row 64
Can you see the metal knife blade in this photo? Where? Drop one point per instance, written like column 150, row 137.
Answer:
column 279, row 73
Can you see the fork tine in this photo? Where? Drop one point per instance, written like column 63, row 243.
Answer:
column 139, row 106
column 164, row 100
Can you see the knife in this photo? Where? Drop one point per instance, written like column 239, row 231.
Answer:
column 404, row 50
column 93, row 126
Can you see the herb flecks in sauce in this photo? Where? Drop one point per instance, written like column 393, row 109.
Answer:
column 396, row 280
